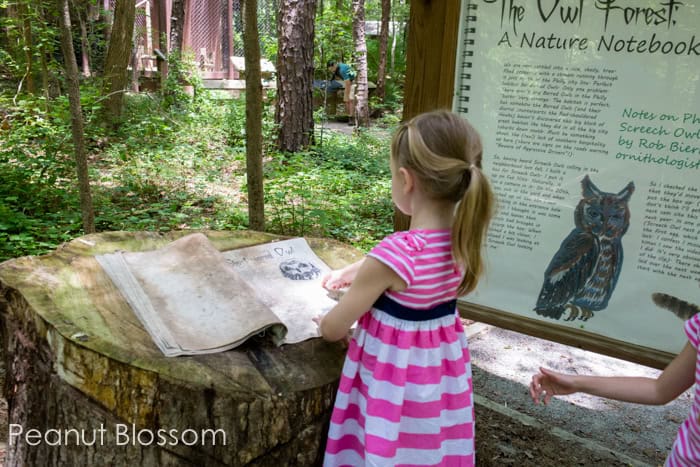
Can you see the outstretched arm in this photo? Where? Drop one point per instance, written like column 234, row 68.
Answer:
column 678, row 376
column 373, row 278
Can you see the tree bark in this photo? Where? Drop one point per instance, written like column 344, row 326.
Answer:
column 253, row 114
column 358, row 34
column 295, row 68
column 383, row 47
column 77, row 357
column 84, row 44
column 28, row 46
column 177, row 26
column 116, row 74
column 76, row 118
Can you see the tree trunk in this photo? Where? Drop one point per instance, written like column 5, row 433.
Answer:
column 76, row 118
column 45, row 77
column 50, row 83
column 253, row 116
column 116, row 73
column 84, row 44
column 177, row 26
column 27, row 46
column 383, row 46
column 78, row 358
column 392, row 67
column 295, row 70
column 358, row 34
column 107, row 17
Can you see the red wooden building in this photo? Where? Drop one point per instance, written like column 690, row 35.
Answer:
column 208, row 34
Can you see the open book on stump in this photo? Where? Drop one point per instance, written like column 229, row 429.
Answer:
column 194, row 299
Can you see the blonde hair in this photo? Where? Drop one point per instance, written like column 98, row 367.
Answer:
column 444, row 153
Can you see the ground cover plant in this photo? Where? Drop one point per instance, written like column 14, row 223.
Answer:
column 169, row 167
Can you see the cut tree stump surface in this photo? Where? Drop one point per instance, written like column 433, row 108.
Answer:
column 78, row 359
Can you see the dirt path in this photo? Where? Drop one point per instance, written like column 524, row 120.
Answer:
column 572, row 430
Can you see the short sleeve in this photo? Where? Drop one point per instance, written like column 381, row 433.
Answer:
column 692, row 327
column 344, row 71
column 396, row 251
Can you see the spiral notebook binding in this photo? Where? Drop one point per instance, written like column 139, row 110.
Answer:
column 467, row 54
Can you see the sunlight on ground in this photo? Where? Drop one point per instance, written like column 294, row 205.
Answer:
column 518, row 357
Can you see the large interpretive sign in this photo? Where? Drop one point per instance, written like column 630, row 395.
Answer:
column 590, row 116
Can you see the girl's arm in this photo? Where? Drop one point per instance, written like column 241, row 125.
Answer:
column 678, row 376
column 372, row 279
column 342, row 277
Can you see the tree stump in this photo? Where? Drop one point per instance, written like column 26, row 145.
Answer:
column 83, row 372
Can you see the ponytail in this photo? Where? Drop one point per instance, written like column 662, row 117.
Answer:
column 472, row 219
column 444, row 152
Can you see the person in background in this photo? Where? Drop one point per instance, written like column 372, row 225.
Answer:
column 405, row 394
column 343, row 72
column 677, row 377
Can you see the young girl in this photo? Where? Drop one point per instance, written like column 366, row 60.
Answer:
column 678, row 376
column 405, row 394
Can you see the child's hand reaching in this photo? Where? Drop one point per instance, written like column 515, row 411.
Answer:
column 548, row 383
column 336, row 280
column 341, row 278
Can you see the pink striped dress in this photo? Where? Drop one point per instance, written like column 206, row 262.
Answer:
column 686, row 448
column 405, row 395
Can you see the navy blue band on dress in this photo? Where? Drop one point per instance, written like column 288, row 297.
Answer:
column 400, row 311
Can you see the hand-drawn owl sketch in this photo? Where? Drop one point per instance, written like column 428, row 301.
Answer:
column 583, row 273
column 297, row 270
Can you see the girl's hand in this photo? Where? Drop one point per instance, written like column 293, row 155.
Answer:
column 338, row 279
column 345, row 341
column 342, row 278
column 548, row 383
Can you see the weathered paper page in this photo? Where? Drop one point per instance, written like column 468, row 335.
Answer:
column 286, row 276
column 189, row 298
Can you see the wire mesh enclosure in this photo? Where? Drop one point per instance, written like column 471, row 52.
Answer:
column 213, row 33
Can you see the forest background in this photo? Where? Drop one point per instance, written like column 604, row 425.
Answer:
column 81, row 152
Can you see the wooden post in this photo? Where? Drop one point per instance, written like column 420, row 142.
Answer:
column 431, row 55
column 162, row 39
column 230, row 72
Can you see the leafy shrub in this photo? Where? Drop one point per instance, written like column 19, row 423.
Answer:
column 341, row 190
column 168, row 168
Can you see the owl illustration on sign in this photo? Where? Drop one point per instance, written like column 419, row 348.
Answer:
column 582, row 275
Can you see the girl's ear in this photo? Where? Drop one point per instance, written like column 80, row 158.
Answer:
column 408, row 181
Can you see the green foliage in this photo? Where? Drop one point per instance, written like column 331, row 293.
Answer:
column 39, row 205
column 235, row 123
column 268, row 47
column 177, row 161
column 8, row 65
column 181, row 167
column 333, row 38
column 35, row 14
column 340, row 190
column 395, row 78
column 334, row 42
column 183, row 73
